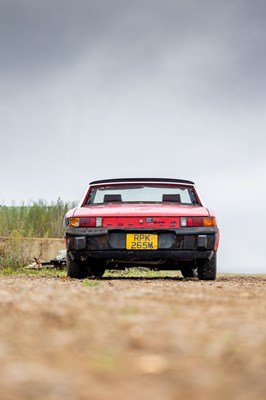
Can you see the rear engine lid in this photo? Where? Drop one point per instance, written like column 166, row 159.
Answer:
column 152, row 216
column 141, row 210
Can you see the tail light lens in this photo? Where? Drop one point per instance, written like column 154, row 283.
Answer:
column 209, row 221
column 73, row 222
column 197, row 221
column 85, row 222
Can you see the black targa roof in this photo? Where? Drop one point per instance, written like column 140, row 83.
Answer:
column 167, row 180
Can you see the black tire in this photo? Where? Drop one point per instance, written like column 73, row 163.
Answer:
column 97, row 268
column 75, row 269
column 189, row 272
column 207, row 269
column 188, row 269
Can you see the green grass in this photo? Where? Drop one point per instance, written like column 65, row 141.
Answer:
column 141, row 272
column 130, row 273
column 9, row 271
column 38, row 219
column 90, row 283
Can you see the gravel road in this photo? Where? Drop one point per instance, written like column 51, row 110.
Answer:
column 133, row 338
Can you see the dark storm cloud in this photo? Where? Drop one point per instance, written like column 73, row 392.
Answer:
column 38, row 36
column 226, row 39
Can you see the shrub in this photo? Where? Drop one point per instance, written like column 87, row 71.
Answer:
column 36, row 220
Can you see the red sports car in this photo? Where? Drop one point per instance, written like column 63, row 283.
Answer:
column 157, row 223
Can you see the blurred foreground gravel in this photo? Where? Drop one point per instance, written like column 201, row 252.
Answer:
column 133, row 339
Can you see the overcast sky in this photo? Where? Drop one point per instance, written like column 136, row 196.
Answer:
column 93, row 89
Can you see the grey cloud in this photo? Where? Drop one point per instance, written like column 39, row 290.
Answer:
column 41, row 35
column 99, row 88
column 38, row 37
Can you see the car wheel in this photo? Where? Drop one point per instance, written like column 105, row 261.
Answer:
column 75, row 269
column 188, row 271
column 207, row 269
column 97, row 268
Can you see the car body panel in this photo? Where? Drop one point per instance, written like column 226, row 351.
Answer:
column 176, row 244
column 138, row 210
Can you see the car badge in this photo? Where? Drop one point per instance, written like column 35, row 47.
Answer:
column 141, row 221
column 149, row 219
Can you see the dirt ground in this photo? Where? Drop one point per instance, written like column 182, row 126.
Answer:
column 132, row 338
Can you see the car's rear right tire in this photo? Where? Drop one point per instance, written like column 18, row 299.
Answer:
column 207, row 269
column 189, row 272
column 188, row 269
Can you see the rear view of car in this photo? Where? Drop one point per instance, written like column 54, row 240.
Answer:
column 156, row 223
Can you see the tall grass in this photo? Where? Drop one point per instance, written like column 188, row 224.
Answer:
column 36, row 220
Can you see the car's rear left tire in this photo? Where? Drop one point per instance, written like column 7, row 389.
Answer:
column 207, row 269
column 97, row 268
column 75, row 269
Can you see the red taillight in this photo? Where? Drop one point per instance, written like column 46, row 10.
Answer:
column 197, row 221
column 87, row 221
column 194, row 221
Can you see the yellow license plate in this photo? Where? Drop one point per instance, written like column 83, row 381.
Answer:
column 141, row 241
